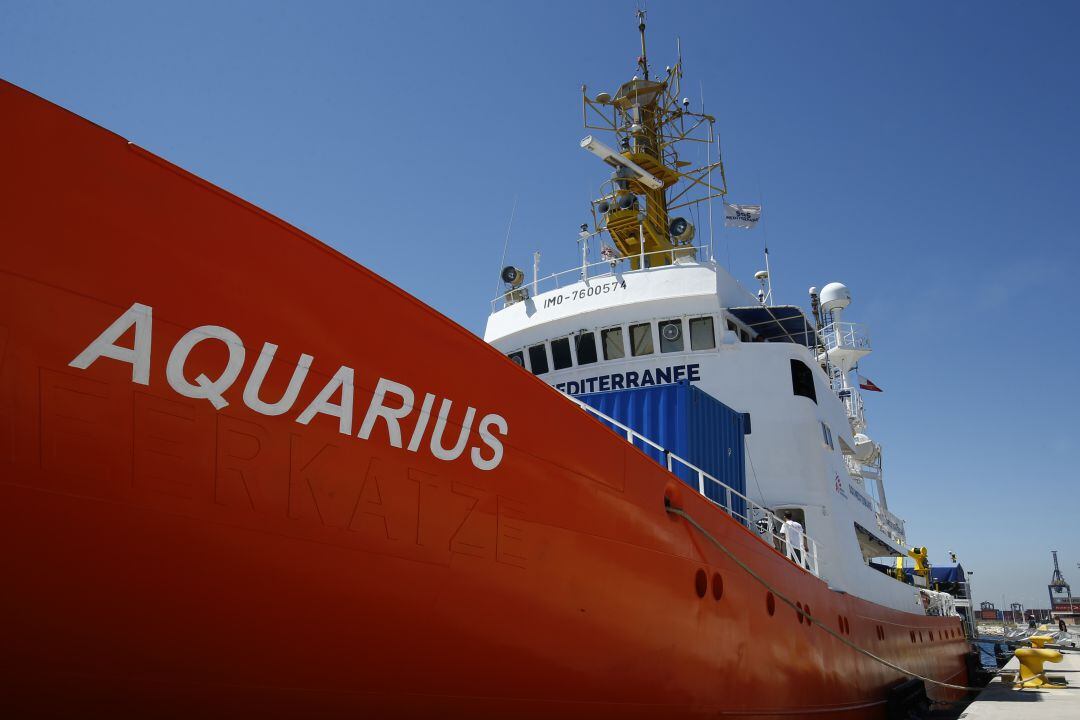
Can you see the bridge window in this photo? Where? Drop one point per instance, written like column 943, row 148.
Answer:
column 701, row 334
column 641, row 339
column 560, row 353
column 802, row 380
column 613, row 343
column 671, row 339
column 518, row 358
column 585, row 346
column 538, row 359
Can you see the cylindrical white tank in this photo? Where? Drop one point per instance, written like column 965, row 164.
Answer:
column 865, row 448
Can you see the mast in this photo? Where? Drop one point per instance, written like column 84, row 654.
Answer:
column 643, row 62
column 649, row 180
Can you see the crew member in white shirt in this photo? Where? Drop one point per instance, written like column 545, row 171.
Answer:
column 793, row 535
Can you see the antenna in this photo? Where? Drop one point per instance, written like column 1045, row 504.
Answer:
column 765, row 243
column 536, row 271
column 643, row 61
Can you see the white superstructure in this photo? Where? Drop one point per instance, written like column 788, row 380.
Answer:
column 807, row 451
column 652, row 307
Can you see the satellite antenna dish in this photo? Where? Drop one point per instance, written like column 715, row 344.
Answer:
column 603, row 98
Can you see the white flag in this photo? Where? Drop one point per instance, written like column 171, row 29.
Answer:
column 741, row 216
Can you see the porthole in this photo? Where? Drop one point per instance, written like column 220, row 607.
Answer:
column 912, row 636
column 840, row 622
column 770, row 603
column 701, row 583
column 806, row 609
column 931, row 636
column 717, row 586
column 799, row 612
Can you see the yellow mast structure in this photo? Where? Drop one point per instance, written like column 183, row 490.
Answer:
column 650, row 181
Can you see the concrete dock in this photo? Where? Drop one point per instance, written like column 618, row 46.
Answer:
column 999, row 701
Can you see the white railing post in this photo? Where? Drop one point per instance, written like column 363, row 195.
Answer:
column 701, row 481
column 641, row 240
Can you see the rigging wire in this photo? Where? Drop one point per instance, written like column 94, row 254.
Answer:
column 708, row 163
column 765, row 243
column 697, row 526
column 753, row 470
column 506, row 243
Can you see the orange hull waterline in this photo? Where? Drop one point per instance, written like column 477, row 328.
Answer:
column 221, row 494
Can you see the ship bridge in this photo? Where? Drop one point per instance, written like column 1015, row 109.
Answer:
column 782, row 323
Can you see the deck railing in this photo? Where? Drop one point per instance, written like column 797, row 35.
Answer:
column 845, row 335
column 760, row 520
column 599, row 269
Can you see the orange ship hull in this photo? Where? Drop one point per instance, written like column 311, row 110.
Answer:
column 164, row 554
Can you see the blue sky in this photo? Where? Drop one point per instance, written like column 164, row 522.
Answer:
column 923, row 153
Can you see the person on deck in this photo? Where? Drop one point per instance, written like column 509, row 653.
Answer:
column 792, row 531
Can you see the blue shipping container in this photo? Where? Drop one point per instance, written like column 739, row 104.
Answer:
column 686, row 421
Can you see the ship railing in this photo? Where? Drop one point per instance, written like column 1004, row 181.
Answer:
column 890, row 525
column 604, row 268
column 760, row 520
column 846, row 336
column 853, row 404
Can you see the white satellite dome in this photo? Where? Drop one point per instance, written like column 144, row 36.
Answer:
column 835, row 296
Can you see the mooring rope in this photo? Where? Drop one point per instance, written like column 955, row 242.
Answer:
column 776, row 593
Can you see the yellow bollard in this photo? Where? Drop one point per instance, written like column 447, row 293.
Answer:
column 1039, row 641
column 1032, row 660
